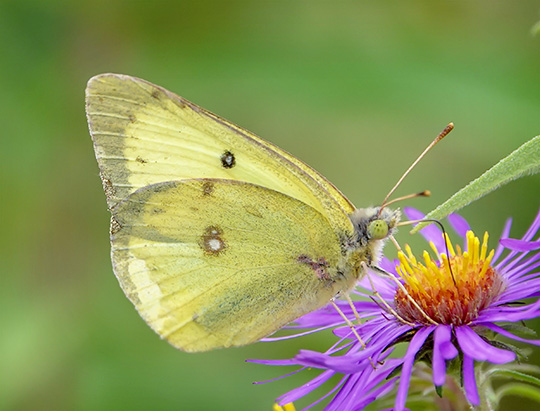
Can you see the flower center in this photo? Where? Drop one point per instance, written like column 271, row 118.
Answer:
column 452, row 291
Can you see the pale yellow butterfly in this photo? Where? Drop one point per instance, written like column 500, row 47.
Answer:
column 218, row 237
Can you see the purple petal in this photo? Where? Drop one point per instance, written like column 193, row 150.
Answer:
column 387, row 265
column 459, row 224
column 523, row 270
column 379, row 332
column 527, row 237
column 324, row 316
column 508, row 334
column 526, row 289
column 504, row 234
column 384, row 286
column 519, row 267
column 329, row 393
column 381, row 391
column 280, row 377
column 350, row 388
column 513, row 264
column 328, row 317
column 305, row 389
column 381, row 327
column 431, row 232
column 345, row 364
column 443, row 350
column 289, row 337
column 519, row 245
column 415, row 344
column 339, row 345
column 413, row 213
column 511, row 314
column 274, row 362
column 469, row 380
column 366, row 388
column 472, row 345
column 381, row 337
column 363, row 308
column 344, row 331
column 533, row 228
column 354, row 361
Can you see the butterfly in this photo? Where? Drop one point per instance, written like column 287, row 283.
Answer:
column 218, row 237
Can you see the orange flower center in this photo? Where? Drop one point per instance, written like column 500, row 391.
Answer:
column 454, row 291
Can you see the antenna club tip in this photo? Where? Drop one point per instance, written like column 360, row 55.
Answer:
column 426, row 193
column 445, row 132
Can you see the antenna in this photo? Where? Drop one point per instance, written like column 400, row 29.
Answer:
column 425, row 193
column 441, row 135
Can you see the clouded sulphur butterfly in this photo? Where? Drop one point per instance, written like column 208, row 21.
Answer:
column 218, row 237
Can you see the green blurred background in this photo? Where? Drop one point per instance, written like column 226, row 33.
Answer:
column 355, row 89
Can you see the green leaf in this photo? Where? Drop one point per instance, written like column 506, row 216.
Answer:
column 520, row 390
column 523, row 161
column 515, row 375
column 517, row 328
column 439, row 390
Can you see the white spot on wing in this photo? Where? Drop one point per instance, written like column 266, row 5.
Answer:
column 214, row 244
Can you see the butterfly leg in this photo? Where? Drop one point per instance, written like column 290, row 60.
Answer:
column 349, row 323
column 385, row 273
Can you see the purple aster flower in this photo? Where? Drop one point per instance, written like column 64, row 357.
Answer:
column 449, row 310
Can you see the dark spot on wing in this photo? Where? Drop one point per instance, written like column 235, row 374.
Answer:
column 132, row 118
column 156, row 94
column 207, row 188
column 212, row 241
column 141, row 160
column 107, row 187
column 319, row 267
column 302, row 258
column 228, row 160
column 115, row 226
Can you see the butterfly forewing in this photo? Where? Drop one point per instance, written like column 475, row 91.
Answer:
column 144, row 135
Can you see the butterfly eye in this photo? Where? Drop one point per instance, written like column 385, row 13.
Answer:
column 378, row 229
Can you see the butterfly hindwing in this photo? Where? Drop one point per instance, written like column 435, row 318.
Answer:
column 214, row 263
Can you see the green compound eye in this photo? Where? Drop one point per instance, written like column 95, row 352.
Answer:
column 378, row 229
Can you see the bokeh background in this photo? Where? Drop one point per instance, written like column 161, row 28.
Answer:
column 355, row 89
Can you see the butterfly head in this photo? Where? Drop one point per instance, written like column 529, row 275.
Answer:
column 373, row 226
